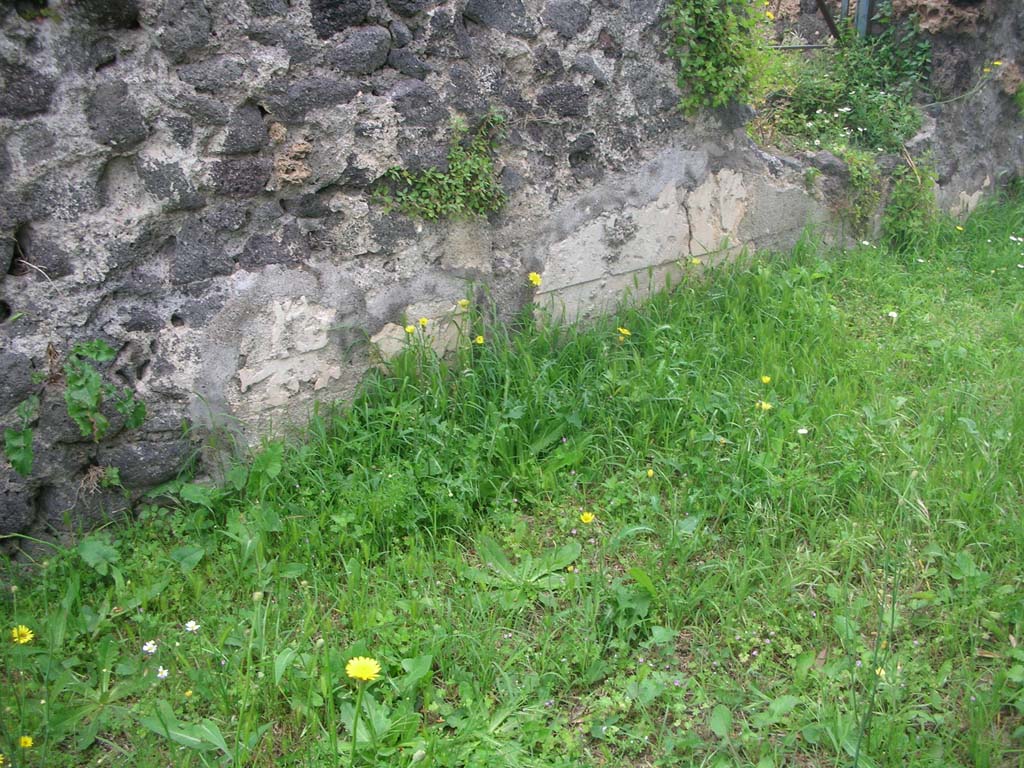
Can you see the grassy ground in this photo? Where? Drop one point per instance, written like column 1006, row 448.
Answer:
column 778, row 522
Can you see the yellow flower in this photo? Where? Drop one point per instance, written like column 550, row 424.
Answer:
column 650, row 473
column 571, row 568
column 766, row 379
column 997, row 63
column 986, row 70
column 363, row 668
column 463, row 303
column 410, row 329
column 695, row 261
column 587, row 518
column 25, row 742
column 764, row 406
column 478, row 340
column 423, row 322
column 959, row 228
column 188, row 694
column 534, row 278
column 624, row 332
column 2, row 758
column 22, row 634
column 880, row 672
column 770, row 15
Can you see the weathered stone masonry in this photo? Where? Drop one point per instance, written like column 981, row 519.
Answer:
column 189, row 181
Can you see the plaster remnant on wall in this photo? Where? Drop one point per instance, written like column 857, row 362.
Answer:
column 290, row 349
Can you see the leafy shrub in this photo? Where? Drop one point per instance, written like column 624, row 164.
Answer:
column 469, row 186
column 911, row 213
column 716, row 43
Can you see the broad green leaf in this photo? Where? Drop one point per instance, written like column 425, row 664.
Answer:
column 721, row 721
column 98, row 554
column 187, row 557
column 282, row 662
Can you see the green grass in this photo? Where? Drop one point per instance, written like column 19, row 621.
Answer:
column 748, row 577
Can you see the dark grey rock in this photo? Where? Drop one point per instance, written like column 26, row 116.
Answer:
column 182, row 129
column 146, row 464
column 108, row 14
column 183, row 26
column 509, row 16
column 563, row 99
column 284, row 35
column 241, row 175
column 197, row 311
column 332, row 16
column 23, row 91
column 198, row 254
column 46, row 253
column 16, row 383
column 246, row 131
column 167, row 182
column 362, row 51
column 312, row 205
column 93, row 52
column 400, row 34
column 447, row 36
column 265, row 8
column 407, row 7
column 5, row 165
column 228, row 217
column 261, row 250
column 418, row 104
column 430, row 158
column 69, row 507
column 204, row 109
column 547, row 62
column 511, row 180
column 290, row 100
column 212, row 75
column 408, row 63
column 608, row 44
column 114, row 118
column 466, row 91
column 36, row 143
column 136, row 318
column 567, row 17
column 140, row 249
column 586, row 64
column 581, row 150
column 17, row 503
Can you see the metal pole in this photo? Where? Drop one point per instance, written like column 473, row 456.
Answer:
column 865, row 10
column 844, row 9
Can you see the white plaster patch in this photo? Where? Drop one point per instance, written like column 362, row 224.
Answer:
column 290, row 351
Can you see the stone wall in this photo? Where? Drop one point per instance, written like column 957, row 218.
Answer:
column 189, row 180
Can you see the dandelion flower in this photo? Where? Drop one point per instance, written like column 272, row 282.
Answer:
column 766, row 379
column 3, row 760
column 188, row 694
column 21, row 635
column 191, row 626
column 764, row 405
column 986, row 70
column 410, row 329
column 587, row 518
column 26, row 742
column 478, row 340
column 463, row 303
column 423, row 322
column 997, row 63
column 149, row 647
column 770, row 15
column 880, row 672
column 162, row 673
column 696, row 262
column 571, row 568
column 959, row 228
column 534, row 279
column 624, row 332
column 650, row 473
column 363, row 668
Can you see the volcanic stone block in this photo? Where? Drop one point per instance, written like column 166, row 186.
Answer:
column 364, row 50
column 114, row 118
column 332, row 16
column 23, row 91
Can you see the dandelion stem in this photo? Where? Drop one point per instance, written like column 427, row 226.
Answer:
column 355, row 723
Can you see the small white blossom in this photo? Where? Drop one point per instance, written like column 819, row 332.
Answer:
column 191, row 626
column 893, row 315
column 802, row 431
column 162, row 673
column 149, row 647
